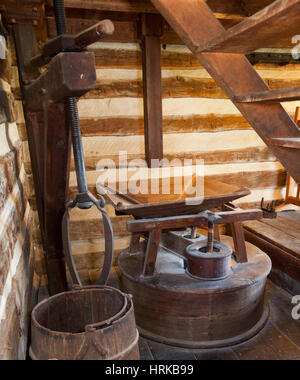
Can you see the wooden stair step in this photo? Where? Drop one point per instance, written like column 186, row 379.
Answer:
column 282, row 95
column 289, row 142
column 277, row 21
column 233, row 72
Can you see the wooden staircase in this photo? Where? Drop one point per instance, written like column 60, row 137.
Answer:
column 222, row 54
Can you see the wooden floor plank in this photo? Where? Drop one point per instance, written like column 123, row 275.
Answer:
column 145, row 351
column 164, row 352
column 281, row 308
column 281, row 344
column 258, row 348
column 220, row 354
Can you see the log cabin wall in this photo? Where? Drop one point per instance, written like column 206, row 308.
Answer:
column 199, row 122
column 17, row 282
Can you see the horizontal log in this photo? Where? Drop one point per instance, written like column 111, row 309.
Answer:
column 114, row 5
column 173, row 87
column 250, row 180
column 145, row 6
column 174, row 143
column 123, row 126
column 87, row 254
column 88, row 225
column 56, row 83
column 185, row 87
column 277, row 21
column 186, row 107
column 249, row 202
column 178, row 87
column 128, row 59
column 256, row 180
column 133, row 107
column 279, row 84
column 211, row 158
column 126, row 31
column 238, row 155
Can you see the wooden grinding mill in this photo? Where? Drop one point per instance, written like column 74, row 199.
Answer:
column 192, row 290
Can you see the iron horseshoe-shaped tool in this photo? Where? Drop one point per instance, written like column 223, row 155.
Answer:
column 108, row 233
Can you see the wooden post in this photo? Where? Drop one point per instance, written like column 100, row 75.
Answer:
column 26, row 46
column 134, row 242
column 49, row 147
column 151, row 253
column 151, row 29
column 56, row 186
column 239, row 242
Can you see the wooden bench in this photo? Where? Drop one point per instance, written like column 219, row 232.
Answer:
column 280, row 239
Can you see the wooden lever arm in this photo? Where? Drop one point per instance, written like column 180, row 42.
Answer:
column 185, row 221
column 94, row 34
column 69, row 43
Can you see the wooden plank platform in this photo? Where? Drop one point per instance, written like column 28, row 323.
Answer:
column 280, row 239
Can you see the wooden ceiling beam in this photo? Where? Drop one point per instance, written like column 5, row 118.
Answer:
column 145, row 6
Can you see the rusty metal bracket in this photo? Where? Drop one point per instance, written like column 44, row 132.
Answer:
column 268, row 211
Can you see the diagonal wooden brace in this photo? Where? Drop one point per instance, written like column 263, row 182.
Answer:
column 69, row 75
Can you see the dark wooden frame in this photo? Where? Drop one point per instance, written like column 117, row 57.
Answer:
column 48, row 132
column 153, row 228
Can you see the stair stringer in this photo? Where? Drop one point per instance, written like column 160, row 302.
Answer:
column 196, row 24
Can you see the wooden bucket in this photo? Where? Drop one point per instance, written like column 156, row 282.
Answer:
column 89, row 323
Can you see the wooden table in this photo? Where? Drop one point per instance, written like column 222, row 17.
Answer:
column 215, row 194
